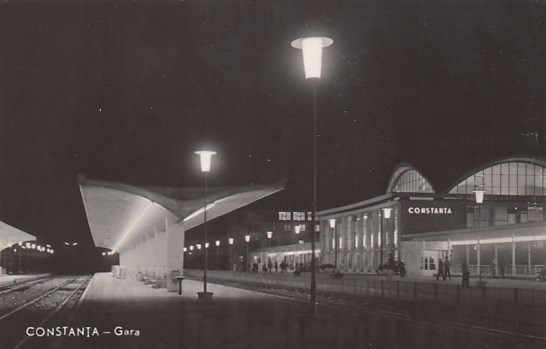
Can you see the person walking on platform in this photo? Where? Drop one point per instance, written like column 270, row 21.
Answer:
column 447, row 269
column 276, row 266
column 440, row 270
column 269, row 265
column 466, row 275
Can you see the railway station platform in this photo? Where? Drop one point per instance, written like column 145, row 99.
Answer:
column 126, row 313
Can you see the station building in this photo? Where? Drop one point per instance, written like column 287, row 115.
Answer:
column 418, row 224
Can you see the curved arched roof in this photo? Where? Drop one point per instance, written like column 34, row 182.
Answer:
column 120, row 214
column 510, row 176
column 407, row 179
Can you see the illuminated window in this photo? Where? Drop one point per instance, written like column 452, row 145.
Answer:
column 412, row 181
column 298, row 216
column 309, row 216
column 284, row 216
column 509, row 178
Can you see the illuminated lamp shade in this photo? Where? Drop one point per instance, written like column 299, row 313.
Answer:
column 479, row 195
column 387, row 212
column 312, row 54
column 247, row 238
column 206, row 245
column 217, row 242
column 230, row 240
column 332, row 223
column 269, row 234
column 185, row 249
column 297, row 229
column 206, row 157
column 191, row 247
column 198, row 246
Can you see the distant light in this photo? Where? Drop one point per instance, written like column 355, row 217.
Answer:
column 33, row 246
column 206, row 245
column 104, row 253
column 67, row 244
column 206, row 157
column 332, row 223
column 15, row 250
column 198, row 246
column 20, row 243
column 28, row 245
column 269, row 234
column 230, row 240
column 479, row 195
column 297, row 229
column 185, row 249
column 191, row 247
column 312, row 54
column 387, row 212
column 74, row 244
column 217, row 242
column 48, row 245
column 247, row 238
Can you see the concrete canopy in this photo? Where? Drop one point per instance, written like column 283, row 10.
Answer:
column 10, row 235
column 120, row 215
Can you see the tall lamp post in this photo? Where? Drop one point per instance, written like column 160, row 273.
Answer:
column 247, row 239
column 387, row 216
column 205, row 157
column 269, row 236
column 312, row 60
column 333, row 226
column 479, row 193
column 230, row 241
column 217, row 254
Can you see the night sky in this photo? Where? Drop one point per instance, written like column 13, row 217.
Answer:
column 127, row 91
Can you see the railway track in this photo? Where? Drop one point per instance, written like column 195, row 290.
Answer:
column 40, row 311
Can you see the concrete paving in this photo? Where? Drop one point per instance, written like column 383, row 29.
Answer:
column 124, row 313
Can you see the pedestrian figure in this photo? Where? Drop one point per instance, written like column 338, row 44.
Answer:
column 466, row 275
column 401, row 268
column 264, row 268
column 440, row 270
column 269, row 265
column 447, row 269
column 276, row 266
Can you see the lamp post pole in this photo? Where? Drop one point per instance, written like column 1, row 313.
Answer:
column 333, row 226
column 217, row 254
column 230, row 241
column 247, row 239
column 479, row 193
column 205, row 157
column 312, row 59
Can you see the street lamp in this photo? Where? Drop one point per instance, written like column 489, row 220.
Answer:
column 205, row 157
column 479, row 194
column 269, row 236
column 333, row 226
column 217, row 253
column 386, row 215
column 312, row 61
column 230, row 241
column 247, row 239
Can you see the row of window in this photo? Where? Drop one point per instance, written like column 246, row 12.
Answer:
column 481, row 216
column 294, row 216
column 513, row 178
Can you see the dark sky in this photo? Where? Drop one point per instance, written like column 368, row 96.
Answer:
column 127, row 91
